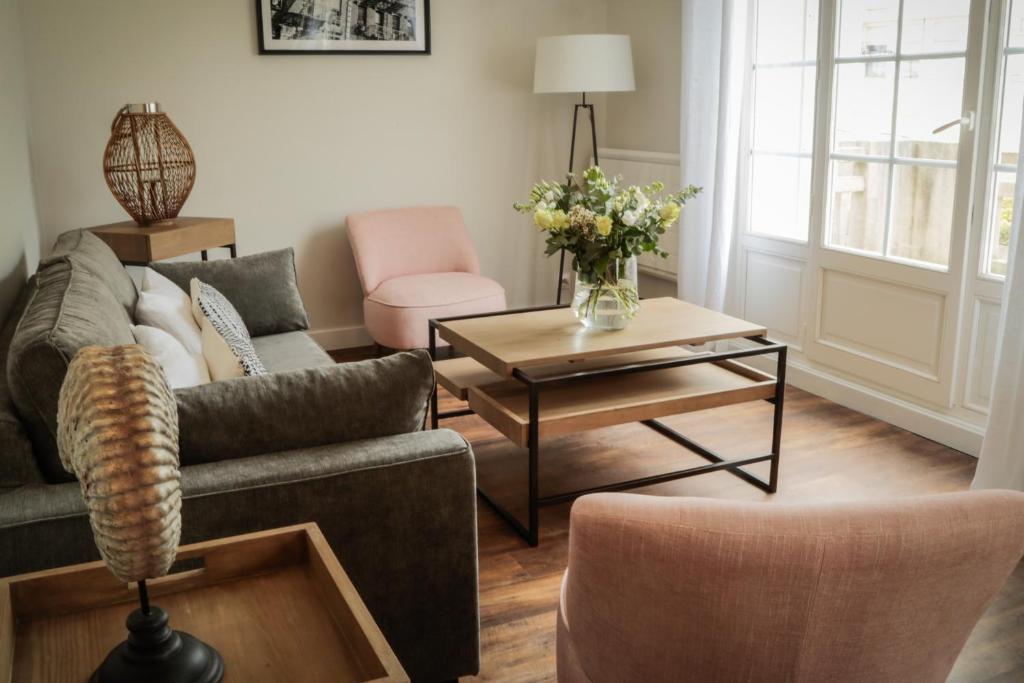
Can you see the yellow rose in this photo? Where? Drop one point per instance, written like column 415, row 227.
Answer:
column 603, row 225
column 543, row 219
column 559, row 220
column 669, row 213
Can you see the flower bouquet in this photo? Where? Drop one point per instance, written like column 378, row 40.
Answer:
column 604, row 227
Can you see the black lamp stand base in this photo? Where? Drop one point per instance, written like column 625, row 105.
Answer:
column 589, row 108
column 155, row 653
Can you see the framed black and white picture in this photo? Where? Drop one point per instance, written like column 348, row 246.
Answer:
column 343, row 26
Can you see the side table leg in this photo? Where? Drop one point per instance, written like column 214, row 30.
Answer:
column 780, row 397
column 534, row 443
column 205, row 256
column 433, row 395
column 233, row 250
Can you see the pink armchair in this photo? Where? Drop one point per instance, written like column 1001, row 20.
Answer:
column 417, row 264
column 677, row 589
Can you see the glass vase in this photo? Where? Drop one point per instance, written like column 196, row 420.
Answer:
column 607, row 301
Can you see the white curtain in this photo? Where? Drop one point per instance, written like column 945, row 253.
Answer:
column 714, row 57
column 1001, row 463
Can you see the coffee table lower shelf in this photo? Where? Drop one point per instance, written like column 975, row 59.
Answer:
column 633, row 387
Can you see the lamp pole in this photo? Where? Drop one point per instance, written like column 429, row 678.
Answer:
column 572, row 159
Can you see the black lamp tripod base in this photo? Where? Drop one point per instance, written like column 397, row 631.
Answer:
column 589, row 108
column 155, row 653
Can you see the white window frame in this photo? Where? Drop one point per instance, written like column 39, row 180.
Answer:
column 891, row 160
column 747, row 140
column 986, row 119
column 993, row 127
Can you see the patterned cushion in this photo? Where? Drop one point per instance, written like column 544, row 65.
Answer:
column 227, row 345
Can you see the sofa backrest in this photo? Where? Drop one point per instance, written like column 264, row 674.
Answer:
column 17, row 462
column 428, row 239
column 90, row 253
column 80, row 298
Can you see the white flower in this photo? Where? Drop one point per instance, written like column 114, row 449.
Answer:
column 541, row 206
column 642, row 202
column 630, row 218
column 549, row 196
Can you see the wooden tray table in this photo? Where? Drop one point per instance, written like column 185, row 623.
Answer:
column 276, row 604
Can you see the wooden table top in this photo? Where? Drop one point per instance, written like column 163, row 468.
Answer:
column 520, row 340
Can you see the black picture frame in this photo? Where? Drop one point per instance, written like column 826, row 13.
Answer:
column 267, row 45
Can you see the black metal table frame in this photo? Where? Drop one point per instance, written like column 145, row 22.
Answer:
column 534, row 385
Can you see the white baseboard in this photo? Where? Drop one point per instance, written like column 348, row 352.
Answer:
column 335, row 338
column 945, row 429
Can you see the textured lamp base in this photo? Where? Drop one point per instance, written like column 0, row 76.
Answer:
column 155, row 653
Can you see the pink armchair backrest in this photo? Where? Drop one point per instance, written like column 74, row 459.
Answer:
column 676, row 589
column 428, row 239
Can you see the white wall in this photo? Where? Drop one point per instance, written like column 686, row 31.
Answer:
column 288, row 144
column 648, row 119
column 19, row 230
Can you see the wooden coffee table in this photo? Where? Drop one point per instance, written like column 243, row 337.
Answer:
column 537, row 373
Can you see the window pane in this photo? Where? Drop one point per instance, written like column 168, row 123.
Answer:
column 1013, row 102
column 780, row 196
column 867, row 27
column 863, row 113
column 922, row 213
column 787, row 31
column 1015, row 31
column 857, row 211
column 784, row 109
column 1000, row 223
column 931, row 26
column 931, row 94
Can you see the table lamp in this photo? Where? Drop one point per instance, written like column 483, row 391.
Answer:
column 581, row 64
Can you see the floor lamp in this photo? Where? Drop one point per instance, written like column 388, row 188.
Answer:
column 582, row 64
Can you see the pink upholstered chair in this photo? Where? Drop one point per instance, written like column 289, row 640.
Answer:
column 676, row 589
column 417, row 264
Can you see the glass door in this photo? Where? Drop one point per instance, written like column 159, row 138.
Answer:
column 897, row 105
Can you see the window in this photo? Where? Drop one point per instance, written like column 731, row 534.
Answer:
column 899, row 76
column 896, row 104
column 784, row 73
column 1006, row 142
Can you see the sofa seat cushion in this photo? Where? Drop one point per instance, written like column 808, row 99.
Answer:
column 435, row 289
column 397, row 313
column 70, row 308
column 290, row 351
column 91, row 254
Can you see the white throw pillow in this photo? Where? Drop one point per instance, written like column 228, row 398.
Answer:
column 227, row 345
column 182, row 369
column 164, row 305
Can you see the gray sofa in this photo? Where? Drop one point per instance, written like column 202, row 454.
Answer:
column 341, row 445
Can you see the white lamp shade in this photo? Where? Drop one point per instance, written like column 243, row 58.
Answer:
column 583, row 63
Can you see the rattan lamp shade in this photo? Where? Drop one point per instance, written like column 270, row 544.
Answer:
column 148, row 164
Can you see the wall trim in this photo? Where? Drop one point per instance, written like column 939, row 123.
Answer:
column 945, row 429
column 337, row 338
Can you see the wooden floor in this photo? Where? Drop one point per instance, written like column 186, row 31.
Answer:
column 829, row 453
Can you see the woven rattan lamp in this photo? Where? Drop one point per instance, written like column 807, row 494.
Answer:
column 148, row 163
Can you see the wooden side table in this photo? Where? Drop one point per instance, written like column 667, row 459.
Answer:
column 136, row 246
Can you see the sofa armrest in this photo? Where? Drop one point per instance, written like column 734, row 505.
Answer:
column 304, row 408
column 263, row 288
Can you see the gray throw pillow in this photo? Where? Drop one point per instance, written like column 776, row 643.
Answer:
column 263, row 288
